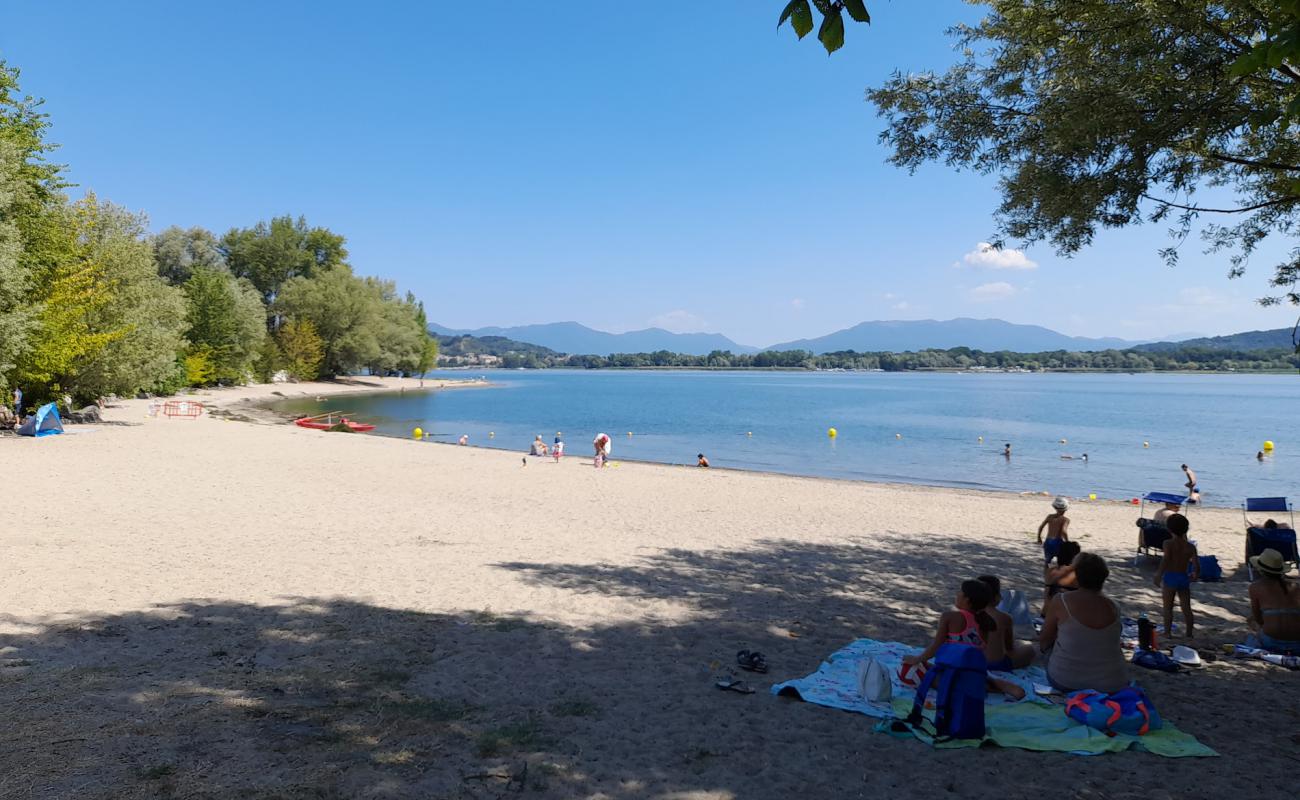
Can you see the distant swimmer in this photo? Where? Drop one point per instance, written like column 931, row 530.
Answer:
column 1006, row 450
column 701, row 461
column 1259, row 456
column 1083, row 457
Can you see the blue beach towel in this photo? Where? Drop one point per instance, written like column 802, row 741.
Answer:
column 1034, row 723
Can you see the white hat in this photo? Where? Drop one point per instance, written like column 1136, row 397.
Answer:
column 1060, row 503
column 1187, row 656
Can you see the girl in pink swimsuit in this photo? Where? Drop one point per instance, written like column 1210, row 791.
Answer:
column 968, row 624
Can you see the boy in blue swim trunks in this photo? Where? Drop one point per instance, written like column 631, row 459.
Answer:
column 1058, row 529
column 1178, row 568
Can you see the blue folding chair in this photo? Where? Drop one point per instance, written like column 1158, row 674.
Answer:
column 1260, row 538
column 1151, row 539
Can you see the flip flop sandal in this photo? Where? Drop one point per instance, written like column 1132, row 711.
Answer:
column 752, row 661
column 740, row 687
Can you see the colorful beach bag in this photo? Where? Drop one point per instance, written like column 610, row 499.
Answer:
column 1127, row 711
column 959, row 677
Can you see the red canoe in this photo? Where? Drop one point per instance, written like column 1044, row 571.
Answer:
column 316, row 423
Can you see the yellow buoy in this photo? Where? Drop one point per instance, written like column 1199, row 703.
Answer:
column 418, row 433
column 832, row 433
column 1092, row 497
column 1268, row 445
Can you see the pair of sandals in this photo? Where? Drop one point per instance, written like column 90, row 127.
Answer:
column 751, row 661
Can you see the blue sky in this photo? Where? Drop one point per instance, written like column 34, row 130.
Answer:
column 680, row 164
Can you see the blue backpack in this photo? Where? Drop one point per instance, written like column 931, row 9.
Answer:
column 1127, row 711
column 959, row 676
column 1210, row 569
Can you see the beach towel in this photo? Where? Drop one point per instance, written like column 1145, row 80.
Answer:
column 1035, row 723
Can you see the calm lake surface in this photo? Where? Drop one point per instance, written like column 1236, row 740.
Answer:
column 1214, row 423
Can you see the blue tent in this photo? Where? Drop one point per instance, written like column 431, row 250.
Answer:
column 44, row 422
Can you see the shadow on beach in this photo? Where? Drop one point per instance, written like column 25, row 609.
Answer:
column 331, row 698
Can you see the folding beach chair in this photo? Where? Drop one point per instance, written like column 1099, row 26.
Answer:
column 1260, row 539
column 1154, row 534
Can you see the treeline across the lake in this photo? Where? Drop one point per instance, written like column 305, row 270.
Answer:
column 957, row 358
column 91, row 304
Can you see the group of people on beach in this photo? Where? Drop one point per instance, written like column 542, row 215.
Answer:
column 1082, row 628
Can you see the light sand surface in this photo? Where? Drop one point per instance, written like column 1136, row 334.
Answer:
column 213, row 608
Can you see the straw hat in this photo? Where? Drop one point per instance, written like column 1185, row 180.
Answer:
column 1060, row 504
column 1269, row 562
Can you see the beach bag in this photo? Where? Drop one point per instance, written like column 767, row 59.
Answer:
column 959, row 677
column 1154, row 659
column 873, row 682
column 1210, row 569
column 1016, row 606
column 1127, row 711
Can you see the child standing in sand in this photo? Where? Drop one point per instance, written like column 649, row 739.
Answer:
column 1178, row 568
column 1058, row 529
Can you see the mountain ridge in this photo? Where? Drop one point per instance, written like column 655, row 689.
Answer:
column 578, row 339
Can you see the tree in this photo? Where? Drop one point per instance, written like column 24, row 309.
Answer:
column 344, row 312
column 831, row 31
column 1107, row 113
column 179, row 252
column 301, row 350
column 143, row 314
column 226, row 320
column 270, row 254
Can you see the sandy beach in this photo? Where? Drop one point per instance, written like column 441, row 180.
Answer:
column 226, row 608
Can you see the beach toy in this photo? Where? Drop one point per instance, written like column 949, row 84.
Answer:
column 1092, row 497
column 1135, row 501
column 1268, row 446
column 832, row 433
column 418, row 433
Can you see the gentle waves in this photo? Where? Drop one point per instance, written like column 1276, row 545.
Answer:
column 1214, row 423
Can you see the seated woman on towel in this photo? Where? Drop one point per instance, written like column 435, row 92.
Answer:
column 1060, row 578
column 1274, row 605
column 1081, row 633
column 968, row 624
column 1000, row 647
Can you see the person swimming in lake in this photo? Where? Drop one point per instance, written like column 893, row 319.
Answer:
column 1006, row 450
column 1179, row 566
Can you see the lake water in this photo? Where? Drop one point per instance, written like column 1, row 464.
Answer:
column 1214, row 423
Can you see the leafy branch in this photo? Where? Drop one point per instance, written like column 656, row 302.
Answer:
column 831, row 32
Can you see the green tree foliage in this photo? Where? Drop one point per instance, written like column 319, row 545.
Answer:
column 300, row 349
column 1107, row 113
column 145, row 316
column 831, row 31
column 271, row 254
column 179, row 252
column 16, row 315
column 225, row 319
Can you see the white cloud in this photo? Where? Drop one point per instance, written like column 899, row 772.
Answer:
column 889, row 295
column 1200, row 296
column 678, row 321
column 987, row 292
column 901, row 305
column 797, row 304
column 985, row 256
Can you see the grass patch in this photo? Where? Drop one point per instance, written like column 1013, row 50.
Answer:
column 157, row 772
column 526, row 733
column 431, row 709
column 575, row 708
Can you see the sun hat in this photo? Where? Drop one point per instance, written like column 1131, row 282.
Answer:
column 1060, row 503
column 1269, row 561
column 1187, row 656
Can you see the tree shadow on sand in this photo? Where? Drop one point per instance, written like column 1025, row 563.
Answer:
column 335, row 698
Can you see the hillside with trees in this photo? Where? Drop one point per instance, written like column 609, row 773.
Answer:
column 91, row 304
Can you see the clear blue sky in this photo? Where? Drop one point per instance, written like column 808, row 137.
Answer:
column 619, row 164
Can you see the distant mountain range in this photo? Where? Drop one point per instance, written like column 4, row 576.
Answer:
column 575, row 339
column 1250, row 340
column 978, row 334
column 900, row 336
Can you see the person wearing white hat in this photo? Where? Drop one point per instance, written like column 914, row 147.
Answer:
column 1058, row 529
column 1274, row 605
